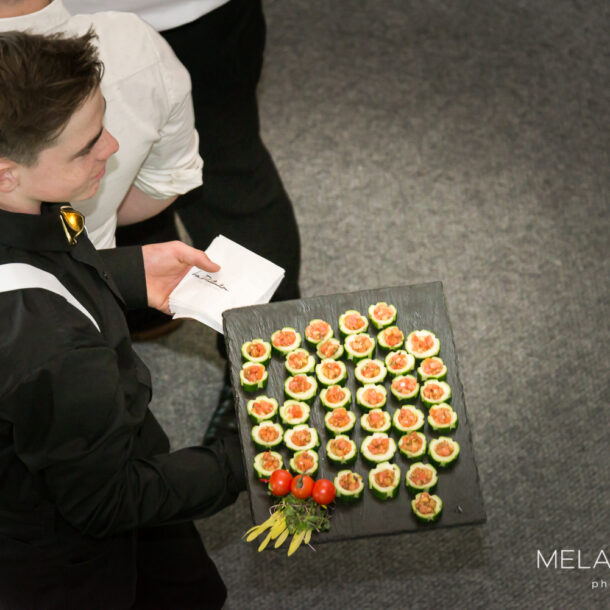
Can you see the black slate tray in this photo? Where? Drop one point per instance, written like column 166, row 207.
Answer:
column 420, row 306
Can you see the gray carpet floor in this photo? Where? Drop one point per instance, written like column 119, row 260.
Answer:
column 465, row 142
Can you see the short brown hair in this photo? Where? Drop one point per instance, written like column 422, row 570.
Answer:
column 43, row 81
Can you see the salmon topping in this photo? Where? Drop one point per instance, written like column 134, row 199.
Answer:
column 376, row 419
column 432, row 366
column 298, row 360
column 444, row 448
column 370, row 370
column 340, row 447
column 393, row 336
column 441, row 415
column 335, row 394
column 420, row 476
column 300, row 438
column 425, row 504
column 353, row 321
column 361, row 344
column 406, row 418
column 254, row 373
column 397, row 361
column 268, row 433
column 421, row 344
column 378, row 445
column 385, row 478
column 331, row 370
column 305, row 461
column 299, row 384
column 269, row 461
column 256, row 350
column 339, row 418
column 411, row 442
column 433, row 391
column 382, row 312
column 295, row 411
column 262, row 407
column 329, row 348
column 284, row 338
column 404, row 385
column 317, row 331
column 349, row 481
column 373, row 396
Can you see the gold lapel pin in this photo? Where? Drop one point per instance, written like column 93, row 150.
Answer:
column 72, row 221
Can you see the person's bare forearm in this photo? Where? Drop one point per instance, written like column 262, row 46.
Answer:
column 137, row 206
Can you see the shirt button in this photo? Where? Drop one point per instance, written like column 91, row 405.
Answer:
column 105, row 275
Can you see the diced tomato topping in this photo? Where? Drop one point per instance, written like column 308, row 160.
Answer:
column 425, row 504
column 441, row 415
column 329, row 348
column 284, row 338
column 433, row 391
column 300, row 438
column 397, row 361
column 317, row 331
column 268, row 433
column 406, row 418
column 444, row 448
column 305, row 461
column 376, row 419
column 420, row 476
column 361, row 344
column 411, row 442
column 432, row 366
column 421, row 344
column 298, row 360
column 349, row 481
column 299, row 384
column 335, row 394
column 331, row 370
column 353, row 321
column 404, row 385
column 393, row 336
column 256, row 350
column 385, row 478
column 370, row 370
column 254, row 373
column 295, row 411
column 340, row 447
column 378, row 445
column 339, row 418
column 382, row 312
column 262, row 407
column 269, row 461
column 372, row 396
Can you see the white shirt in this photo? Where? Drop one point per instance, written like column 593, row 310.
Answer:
column 149, row 111
column 162, row 15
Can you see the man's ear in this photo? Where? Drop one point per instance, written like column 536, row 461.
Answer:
column 8, row 175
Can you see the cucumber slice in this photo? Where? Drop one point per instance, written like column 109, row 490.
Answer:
column 256, row 350
column 267, row 435
column 404, row 387
column 285, row 340
column 432, row 368
column 299, row 361
column 407, row 419
column 384, row 480
column 371, row 396
column 253, row 376
column 331, row 372
column 335, row 396
column 399, row 362
column 301, row 387
column 341, row 450
column 294, row 412
column 391, row 338
column 359, row 346
column 435, row 392
column 349, row 485
column 443, row 451
column 261, row 408
column 330, row 348
column 352, row 322
column 382, row 314
column 421, row 477
column 370, row 370
column 301, row 437
column 422, row 344
column 376, row 420
column 339, row 421
column 266, row 462
column 305, row 462
column 412, row 445
column 377, row 448
column 317, row 331
column 427, row 507
column 442, row 418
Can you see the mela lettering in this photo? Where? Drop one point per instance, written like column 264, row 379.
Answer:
column 572, row 559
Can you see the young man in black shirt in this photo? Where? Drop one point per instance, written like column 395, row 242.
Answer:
column 94, row 510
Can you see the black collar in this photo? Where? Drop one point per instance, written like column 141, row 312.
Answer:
column 39, row 232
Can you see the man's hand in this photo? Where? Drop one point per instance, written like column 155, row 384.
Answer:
column 165, row 265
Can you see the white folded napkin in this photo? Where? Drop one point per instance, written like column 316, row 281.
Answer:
column 245, row 278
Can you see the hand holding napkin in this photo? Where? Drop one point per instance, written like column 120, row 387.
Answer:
column 245, row 278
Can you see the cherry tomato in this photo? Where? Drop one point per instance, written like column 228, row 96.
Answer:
column 301, row 486
column 323, row 491
column 279, row 482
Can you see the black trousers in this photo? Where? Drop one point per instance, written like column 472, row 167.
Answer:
column 162, row 568
column 242, row 195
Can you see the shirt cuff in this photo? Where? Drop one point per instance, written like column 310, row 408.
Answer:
column 126, row 265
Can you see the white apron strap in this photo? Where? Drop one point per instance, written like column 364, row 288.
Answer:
column 19, row 276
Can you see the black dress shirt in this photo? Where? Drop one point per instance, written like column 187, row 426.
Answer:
column 78, row 443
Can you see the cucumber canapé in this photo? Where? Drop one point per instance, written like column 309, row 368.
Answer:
column 384, row 480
